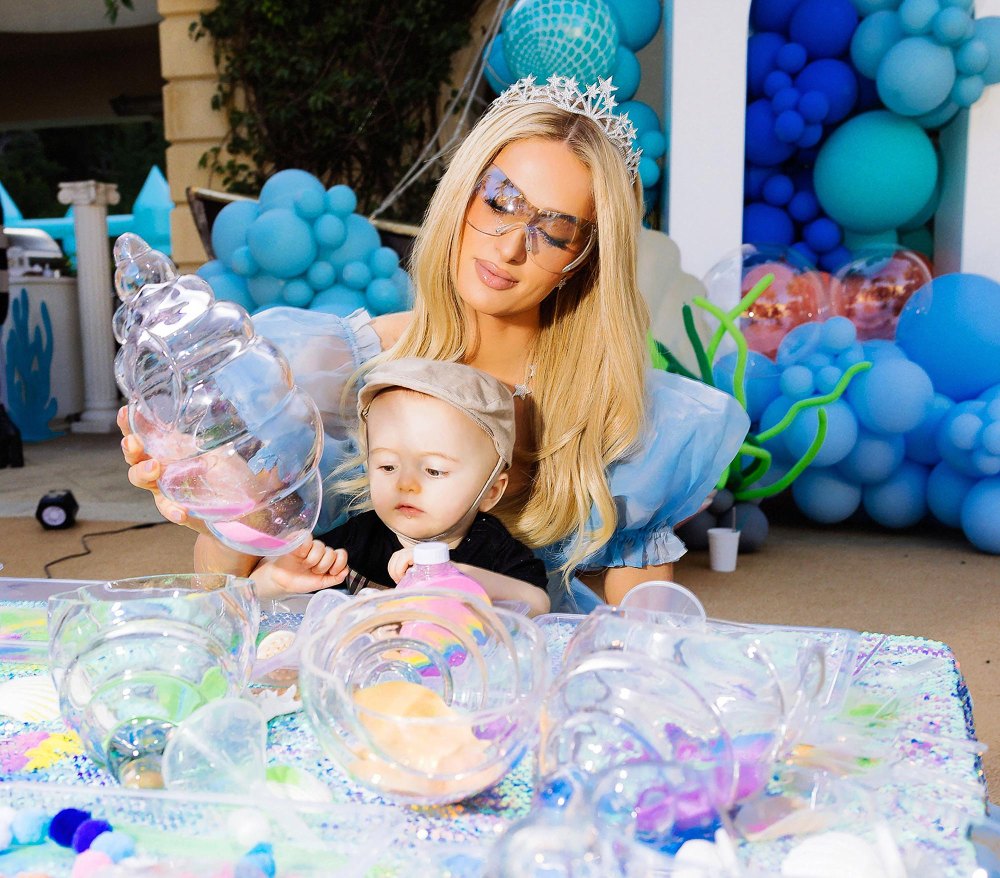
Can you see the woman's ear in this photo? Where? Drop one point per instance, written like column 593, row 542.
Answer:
column 495, row 492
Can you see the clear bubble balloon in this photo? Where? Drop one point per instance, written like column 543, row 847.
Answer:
column 796, row 295
column 871, row 289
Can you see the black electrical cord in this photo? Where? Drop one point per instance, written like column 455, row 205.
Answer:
column 99, row 533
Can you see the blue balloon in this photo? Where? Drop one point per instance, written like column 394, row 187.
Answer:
column 265, row 289
column 404, row 284
column 330, row 231
column 822, row 234
column 362, row 238
column 921, row 441
column 338, row 300
column 799, row 343
column 789, row 126
column 321, row 275
column 281, row 242
column 778, row 190
column 762, row 52
column 791, row 57
column 495, row 70
column 653, row 144
column 805, row 251
column 875, row 172
column 827, row 378
column 875, row 36
column 952, row 25
column 873, row 459
column 940, row 116
column 972, row 57
column 310, row 203
column 356, row 275
column 297, row 293
column 916, row 76
column 987, row 31
column 803, row 207
column 761, row 381
column 762, row 144
column 835, row 259
column 824, row 27
column 383, row 262
column 649, row 171
column 642, row 115
column 243, row 263
column 797, row 382
column 960, row 439
column 754, row 180
column 951, row 328
column 765, row 224
column 212, row 268
column 229, row 231
column 891, row 397
column 547, row 37
column 836, row 81
column 626, row 74
column 901, row 500
column 231, row 287
column 946, row 492
column 981, row 516
column 825, row 496
column 637, row 21
column 772, row 14
column 341, row 200
column 967, row 90
column 384, row 297
column 841, row 433
column 775, row 411
column 283, row 188
column 838, row 334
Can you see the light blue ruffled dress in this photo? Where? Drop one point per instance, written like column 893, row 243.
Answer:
column 693, row 432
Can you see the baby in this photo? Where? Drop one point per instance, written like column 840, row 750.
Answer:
column 438, row 438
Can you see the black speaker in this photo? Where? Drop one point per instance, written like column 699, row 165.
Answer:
column 57, row 510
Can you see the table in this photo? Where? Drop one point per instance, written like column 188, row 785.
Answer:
column 934, row 746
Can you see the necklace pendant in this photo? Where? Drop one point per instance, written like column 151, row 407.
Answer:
column 523, row 390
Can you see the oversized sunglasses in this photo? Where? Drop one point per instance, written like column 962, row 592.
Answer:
column 556, row 242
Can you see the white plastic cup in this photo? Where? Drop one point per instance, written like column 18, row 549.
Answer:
column 723, row 546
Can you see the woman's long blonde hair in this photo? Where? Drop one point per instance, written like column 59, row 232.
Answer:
column 589, row 387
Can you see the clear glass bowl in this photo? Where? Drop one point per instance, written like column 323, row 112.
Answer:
column 132, row 658
column 425, row 698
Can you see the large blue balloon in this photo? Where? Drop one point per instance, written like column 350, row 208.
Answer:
column 762, row 48
column 285, row 187
column 229, row 231
column 637, row 21
column 951, row 327
column 946, row 492
column 546, row 37
column 981, row 516
column 841, row 433
column 824, row 27
column 764, row 224
column 762, row 145
column 875, row 36
column 281, row 242
column 835, row 81
column 873, row 459
column 825, row 496
column 916, row 76
column 891, row 397
column 901, row 500
column 761, row 381
column 875, row 172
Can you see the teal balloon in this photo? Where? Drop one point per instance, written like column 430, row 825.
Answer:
column 284, row 188
column 384, row 297
column 330, row 231
column 576, row 38
column 981, row 516
column 642, row 115
column 926, row 213
column 915, row 16
column 265, row 289
column 356, row 275
column 229, row 231
column 967, row 90
column 637, row 21
column 626, row 74
column 972, row 57
column 919, row 241
column 338, row 300
column 938, row 117
column 875, row 172
column 855, row 241
column 341, row 200
column 297, row 293
column 495, row 68
column 916, row 76
column 281, row 242
column 874, row 37
column 231, row 287
column 946, row 492
column 987, row 30
column 321, row 275
column 653, row 144
column 901, row 500
column 360, row 240
column 826, row 496
column 383, row 262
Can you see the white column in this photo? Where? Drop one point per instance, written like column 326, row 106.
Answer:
column 967, row 220
column 705, row 68
column 90, row 201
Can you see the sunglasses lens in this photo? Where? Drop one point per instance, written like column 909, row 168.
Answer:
column 553, row 240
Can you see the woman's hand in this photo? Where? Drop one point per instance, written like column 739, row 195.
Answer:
column 310, row 567
column 143, row 472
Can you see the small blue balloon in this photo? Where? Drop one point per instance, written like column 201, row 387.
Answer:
column 972, row 57
column 754, row 179
column 283, row 188
column 823, row 27
column 822, row 234
column 384, row 297
column 761, row 381
column 765, row 224
column 626, row 74
column 827, row 378
column 330, row 231
column 643, row 116
column 649, row 171
column 265, row 289
column 243, row 263
column 803, row 207
column 841, row 433
column 362, row 238
column 786, row 99
column 229, row 231
column 776, row 81
column 799, row 343
column 838, row 334
column 951, row 26
column 653, row 144
column 383, row 262
column 853, row 355
column 959, row 436
column 980, row 518
column 916, row 76
column 762, row 50
column 987, row 31
column 818, row 360
column 212, row 268
column 873, row 459
column 967, row 90
column 891, row 397
column 797, row 382
column 297, row 293
column 915, row 16
column 281, row 242
column 825, row 496
column 901, row 500
column 338, row 300
column 946, row 492
column 778, row 190
column 230, row 287
column 404, row 284
column 321, row 275
column 341, row 200
column 789, row 126
column 791, row 58
column 310, row 203
column 356, row 275
column 875, row 36
column 940, row 116
column 814, row 106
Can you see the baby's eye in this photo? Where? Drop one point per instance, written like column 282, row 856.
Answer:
column 435, row 473
column 387, row 467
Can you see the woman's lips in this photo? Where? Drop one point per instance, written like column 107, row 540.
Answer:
column 493, row 277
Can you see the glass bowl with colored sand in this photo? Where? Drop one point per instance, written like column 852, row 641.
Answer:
column 132, row 658
column 427, row 698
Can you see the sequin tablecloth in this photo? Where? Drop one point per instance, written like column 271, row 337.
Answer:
column 909, row 695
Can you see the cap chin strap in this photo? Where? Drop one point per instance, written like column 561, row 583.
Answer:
column 456, row 533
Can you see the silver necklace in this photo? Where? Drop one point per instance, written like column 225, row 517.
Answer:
column 523, row 390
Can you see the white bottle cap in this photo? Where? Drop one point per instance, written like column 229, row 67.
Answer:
column 430, row 553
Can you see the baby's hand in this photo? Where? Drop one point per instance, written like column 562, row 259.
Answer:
column 310, row 567
column 399, row 563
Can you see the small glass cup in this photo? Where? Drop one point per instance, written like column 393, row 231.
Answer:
column 425, row 698
column 132, row 658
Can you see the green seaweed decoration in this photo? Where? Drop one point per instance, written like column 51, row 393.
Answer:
column 738, row 478
column 29, row 372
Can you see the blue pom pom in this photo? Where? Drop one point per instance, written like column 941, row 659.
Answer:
column 901, row 500
column 30, row 826
column 980, row 522
column 64, row 824
column 117, row 845
column 86, row 832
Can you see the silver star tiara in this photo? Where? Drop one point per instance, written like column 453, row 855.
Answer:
column 597, row 102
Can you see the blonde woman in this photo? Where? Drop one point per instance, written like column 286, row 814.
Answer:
column 525, row 268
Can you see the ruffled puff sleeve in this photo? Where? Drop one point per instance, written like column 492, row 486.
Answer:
column 324, row 351
column 693, row 433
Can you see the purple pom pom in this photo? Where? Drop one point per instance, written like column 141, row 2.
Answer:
column 64, row 824
column 86, row 832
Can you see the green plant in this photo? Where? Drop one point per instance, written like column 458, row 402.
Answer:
column 346, row 91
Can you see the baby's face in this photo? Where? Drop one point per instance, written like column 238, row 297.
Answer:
column 427, row 462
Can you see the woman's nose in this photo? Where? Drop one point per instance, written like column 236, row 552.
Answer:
column 512, row 245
